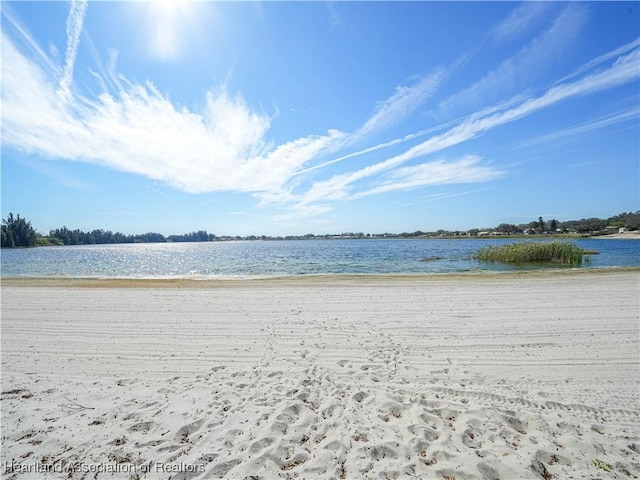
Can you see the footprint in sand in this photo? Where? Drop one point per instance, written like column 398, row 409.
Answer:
column 222, row 469
column 142, row 427
column 428, row 433
column 260, row 445
column 360, row 396
column 471, row 438
column 379, row 452
column 183, row 434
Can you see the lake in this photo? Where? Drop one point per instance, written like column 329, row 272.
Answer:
column 282, row 258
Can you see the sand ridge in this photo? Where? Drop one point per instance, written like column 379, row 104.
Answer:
column 525, row 376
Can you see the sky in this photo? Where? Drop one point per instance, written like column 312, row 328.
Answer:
column 288, row 118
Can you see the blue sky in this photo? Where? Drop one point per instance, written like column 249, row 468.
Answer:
column 298, row 117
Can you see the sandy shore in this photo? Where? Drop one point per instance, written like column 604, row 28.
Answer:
column 457, row 377
column 633, row 235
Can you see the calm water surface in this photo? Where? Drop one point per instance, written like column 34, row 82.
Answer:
column 278, row 258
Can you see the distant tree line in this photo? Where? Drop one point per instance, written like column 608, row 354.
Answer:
column 78, row 237
column 18, row 232
column 199, row 236
column 630, row 221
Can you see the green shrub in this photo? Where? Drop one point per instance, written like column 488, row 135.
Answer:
column 48, row 241
column 567, row 253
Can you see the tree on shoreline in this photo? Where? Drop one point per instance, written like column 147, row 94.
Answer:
column 17, row 232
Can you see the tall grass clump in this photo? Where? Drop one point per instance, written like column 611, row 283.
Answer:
column 566, row 253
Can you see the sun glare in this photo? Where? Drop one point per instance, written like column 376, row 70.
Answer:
column 170, row 5
column 168, row 28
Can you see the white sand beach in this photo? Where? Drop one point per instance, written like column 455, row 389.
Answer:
column 501, row 376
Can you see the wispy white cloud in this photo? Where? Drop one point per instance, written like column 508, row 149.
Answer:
column 586, row 164
column 522, row 19
column 157, row 191
column 401, row 104
column 335, row 16
column 606, row 57
column 468, row 169
column 75, row 19
column 138, row 130
column 381, row 146
column 517, row 72
column 604, row 122
column 406, row 100
column 441, row 196
column 388, row 113
column 224, row 145
column 106, row 76
column 220, row 147
column 27, row 38
column 278, row 163
column 339, row 187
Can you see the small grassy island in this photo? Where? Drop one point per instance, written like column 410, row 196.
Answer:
column 567, row 253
